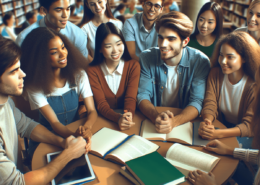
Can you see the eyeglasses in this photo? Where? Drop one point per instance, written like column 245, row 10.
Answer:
column 150, row 5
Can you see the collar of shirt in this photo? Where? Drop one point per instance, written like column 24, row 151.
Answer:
column 184, row 59
column 141, row 24
column 119, row 69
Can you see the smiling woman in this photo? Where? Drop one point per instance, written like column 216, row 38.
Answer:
column 209, row 25
column 95, row 13
column 55, row 82
column 114, row 77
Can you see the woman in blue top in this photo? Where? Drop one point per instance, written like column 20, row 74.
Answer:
column 209, row 27
column 55, row 80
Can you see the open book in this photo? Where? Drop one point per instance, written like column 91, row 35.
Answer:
column 186, row 133
column 119, row 147
column 187, row 159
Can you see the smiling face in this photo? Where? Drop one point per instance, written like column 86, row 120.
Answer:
column 98, row 7
column 11, row 81
column 58, row 14
column 253, row 18
column 112, row 48
column 169, row 43
column 206, row 23
column 149, row 12
column 229, row 60
column 58, row 53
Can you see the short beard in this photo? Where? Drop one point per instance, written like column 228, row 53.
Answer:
column 176, row 52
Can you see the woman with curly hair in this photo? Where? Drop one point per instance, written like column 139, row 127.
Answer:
column 208, row 28
column 95, row 13
column 230, row 88
column 114, row 77
column 55, row 80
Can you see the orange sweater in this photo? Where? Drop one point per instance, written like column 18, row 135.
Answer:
column 211, row 102
column 125, row 98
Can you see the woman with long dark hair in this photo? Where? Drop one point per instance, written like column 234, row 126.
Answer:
column 120, row 10
column 95, row 13
column 114, row 77
column 208, row 29
column 55, row 80
column 230, row 88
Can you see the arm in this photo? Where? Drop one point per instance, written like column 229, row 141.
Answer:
column 131, row 49
column 74, row 149
column 91, row 113
column 99, row 96
column 148, row 109
column 132, row 87
column 129, row 35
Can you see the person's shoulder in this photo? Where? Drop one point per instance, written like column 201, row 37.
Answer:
column 135, row 19
column 151, row 55
column 11, row 102
column 241, row 29
column 196, row 54
column 92, row 69
column 27, row 30
column 133, row 63
column 73, row 28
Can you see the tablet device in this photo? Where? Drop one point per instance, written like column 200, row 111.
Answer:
column 77, row 171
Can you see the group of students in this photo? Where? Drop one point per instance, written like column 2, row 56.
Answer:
column 147, row 64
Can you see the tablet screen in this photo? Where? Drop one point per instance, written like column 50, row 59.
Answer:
column 76, row 171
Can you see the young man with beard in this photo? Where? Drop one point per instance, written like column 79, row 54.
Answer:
column 57, row 13
column 139, row 31
column 172, row 75
column 14, row 122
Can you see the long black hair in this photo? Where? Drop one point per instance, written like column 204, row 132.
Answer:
column 102, row 32
column 119, row 7
column 216, row 9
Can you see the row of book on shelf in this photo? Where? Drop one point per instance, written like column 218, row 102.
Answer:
column 142, row 164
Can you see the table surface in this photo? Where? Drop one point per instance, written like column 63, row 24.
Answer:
column 108, row 172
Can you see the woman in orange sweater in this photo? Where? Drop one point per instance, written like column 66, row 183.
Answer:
column 230, row 88
column 114, row 77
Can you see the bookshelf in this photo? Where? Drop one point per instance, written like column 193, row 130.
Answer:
column 235, row 12
column 18, row 7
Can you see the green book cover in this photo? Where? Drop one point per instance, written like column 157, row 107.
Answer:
column 153, row 169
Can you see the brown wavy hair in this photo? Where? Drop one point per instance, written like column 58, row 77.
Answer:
column 88, row 14
column 35, row 60
column 245, row 46
column 176, row 21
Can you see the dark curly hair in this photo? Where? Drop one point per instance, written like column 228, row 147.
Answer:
column 35, row 60
column 245, row 46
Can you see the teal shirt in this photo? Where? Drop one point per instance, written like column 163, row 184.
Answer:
column 208, row 50
column 128, row 11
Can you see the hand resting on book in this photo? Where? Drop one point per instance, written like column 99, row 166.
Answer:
column 164, row 122
column 126, row 121
column 207, row 130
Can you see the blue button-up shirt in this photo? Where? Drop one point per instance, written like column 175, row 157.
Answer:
column 134, row 30
column 193, row 70
column 74, row 34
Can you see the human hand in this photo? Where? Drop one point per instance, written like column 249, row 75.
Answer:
column 198, row 177
column 219, row 148
column 164, row 122
column 207, row 130
column 125, row 122
column 76, row 146
column 85, row 133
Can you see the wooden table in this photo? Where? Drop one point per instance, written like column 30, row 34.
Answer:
column 108, row 172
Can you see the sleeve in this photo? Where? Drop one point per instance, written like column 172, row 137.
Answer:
column 9, row 174
column 11, row 34
column 99, row 97
column 145, row 88
column 19, row 40
column 132, row 87
column 84, row 86
column 24, row 124
column 248, row 113
column 248, row 155
column 128, row 31
column 81, row 42
column 36, row 99
column 120, row 25
column 198, row 85
column 210, row 104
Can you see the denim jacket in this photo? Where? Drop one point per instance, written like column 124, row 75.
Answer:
column 193, row 70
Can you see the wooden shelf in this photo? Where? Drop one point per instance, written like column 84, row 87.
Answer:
column 18, row 7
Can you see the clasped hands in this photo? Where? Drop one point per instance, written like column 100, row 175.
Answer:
column 126, row 121
column 86, row 134
column 165, row 122
column 207, row 130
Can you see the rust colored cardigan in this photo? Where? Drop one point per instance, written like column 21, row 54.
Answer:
column 211, row 102
column 125, row 97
